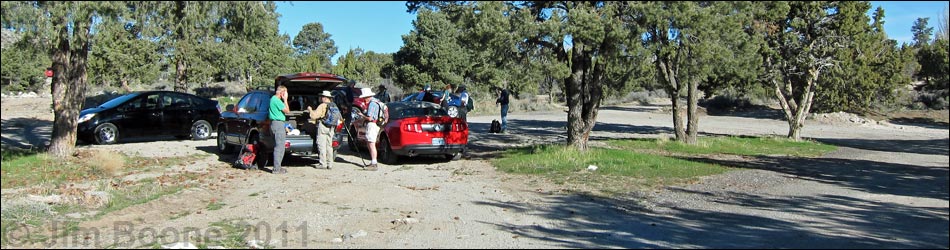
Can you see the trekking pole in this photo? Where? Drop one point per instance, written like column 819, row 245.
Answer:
column 357, row 147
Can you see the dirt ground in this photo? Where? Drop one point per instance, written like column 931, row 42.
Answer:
column 886, row 187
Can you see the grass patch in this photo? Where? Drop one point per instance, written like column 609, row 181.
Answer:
column 26, row 168
column 749, row 146
column 214, row 206
column 564, row 160
column 232, row 234
column 642, row 162
column 139, row 194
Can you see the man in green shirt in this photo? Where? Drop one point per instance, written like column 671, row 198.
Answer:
column 278, row 115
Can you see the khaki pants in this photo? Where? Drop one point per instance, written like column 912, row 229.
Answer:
column 325, row 145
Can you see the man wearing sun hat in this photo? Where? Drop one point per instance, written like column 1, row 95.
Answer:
column 372, row 116
column 324, row 133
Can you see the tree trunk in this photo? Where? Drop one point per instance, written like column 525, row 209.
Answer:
column 672, row 86
column 181, row 84
column 576, row 135
column 69, row 88
column 693, row 123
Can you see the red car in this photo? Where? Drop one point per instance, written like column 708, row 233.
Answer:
column 415, row 128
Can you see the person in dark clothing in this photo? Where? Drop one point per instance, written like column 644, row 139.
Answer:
column 503, row 101
column 383, row 95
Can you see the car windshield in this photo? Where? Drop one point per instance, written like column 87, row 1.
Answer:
column 119, row 100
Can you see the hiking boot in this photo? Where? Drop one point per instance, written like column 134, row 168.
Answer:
column 371, row 167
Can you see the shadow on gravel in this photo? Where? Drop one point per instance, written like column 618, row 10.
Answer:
column 585, row 222
column 16, row 133
column 484, row 145
column 869, row 176
column 757, row 112
column 921, row 122
column 930, row 147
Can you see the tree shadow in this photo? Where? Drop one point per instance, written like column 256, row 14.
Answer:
column 869, row 176
column 22, row 132
column 920, row 122
column 930, row 147
column 586, row 222
column 638, row 108
column 485, row 145
column 755, row 111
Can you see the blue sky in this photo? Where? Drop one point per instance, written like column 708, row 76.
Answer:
column 379, row 26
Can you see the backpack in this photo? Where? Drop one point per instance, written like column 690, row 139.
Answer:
column 470, row 104
column 333, row 116
column 495, row 127
column 384, row 113
column 246, row 157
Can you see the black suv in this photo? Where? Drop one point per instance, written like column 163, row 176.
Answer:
column 247, row 122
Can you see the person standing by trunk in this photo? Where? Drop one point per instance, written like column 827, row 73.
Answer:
column 277, row 113
column 503, row 101
column 326, row 114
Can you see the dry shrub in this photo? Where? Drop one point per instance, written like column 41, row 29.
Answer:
column 102, row 162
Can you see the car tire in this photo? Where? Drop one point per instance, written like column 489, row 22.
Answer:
column 201, row 130
column 453, row 111
column 106, row 133
column 223, row 145
column 386, row 154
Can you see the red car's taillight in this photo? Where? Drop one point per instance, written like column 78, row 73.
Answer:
column 339, row 127
column 412, row 127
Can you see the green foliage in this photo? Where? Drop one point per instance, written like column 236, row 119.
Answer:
column 364, row 66
column 869, row 66
column 22, row 62
column 431, row 54
column 121, row 57
column 921, row 32
column 315, row 48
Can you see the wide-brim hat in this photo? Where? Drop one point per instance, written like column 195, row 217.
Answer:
column 326, row 93
column 366, row 92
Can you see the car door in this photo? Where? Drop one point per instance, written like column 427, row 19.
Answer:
column 238, row 128
column 178, row 113
column 152, row 123
column 131, row 116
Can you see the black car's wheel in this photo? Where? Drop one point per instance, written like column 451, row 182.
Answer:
column 106, row 133
column 386, row 154
column 201, row 130
column 223, row 145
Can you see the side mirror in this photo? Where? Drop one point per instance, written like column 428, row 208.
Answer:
column 231, row 108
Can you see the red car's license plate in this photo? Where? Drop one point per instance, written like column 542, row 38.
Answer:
column 438, row 141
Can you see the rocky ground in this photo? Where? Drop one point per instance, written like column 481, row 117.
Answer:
column 886, row 187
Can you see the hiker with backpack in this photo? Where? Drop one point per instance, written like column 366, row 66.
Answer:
column 503, row 101
column 327, row 116
column 467, row 103
column 376, row 117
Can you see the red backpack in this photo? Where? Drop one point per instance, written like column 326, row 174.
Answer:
column 246, row 157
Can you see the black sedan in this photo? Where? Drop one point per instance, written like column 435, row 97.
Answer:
column 149, row 113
